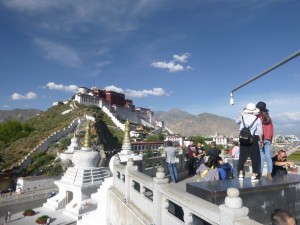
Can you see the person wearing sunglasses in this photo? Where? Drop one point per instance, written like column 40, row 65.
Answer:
column 280, row 164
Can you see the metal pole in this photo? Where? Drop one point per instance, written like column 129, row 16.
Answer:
column 289, row 58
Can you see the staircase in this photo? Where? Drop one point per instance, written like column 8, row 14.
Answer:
column 98, row 216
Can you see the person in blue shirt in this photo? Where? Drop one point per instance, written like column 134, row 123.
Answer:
column 171, row 161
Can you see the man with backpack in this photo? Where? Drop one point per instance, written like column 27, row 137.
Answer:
column 250, row 140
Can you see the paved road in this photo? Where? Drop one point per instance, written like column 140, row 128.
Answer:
column 20, row 207
column 17, row 209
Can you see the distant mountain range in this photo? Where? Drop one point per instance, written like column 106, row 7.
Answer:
column 18, row 114
column 180, row 122
column 204, row 124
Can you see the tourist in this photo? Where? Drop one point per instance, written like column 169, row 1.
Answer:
column 282, row 217
column 248, row 117
column 226, row 171
column 265, row 151
column 171, row 161
column 235, row 157
column 208, row 171
column 280, row 164
column 200, row 154
column 8, row 216
column 214, row 151
column 192, row 157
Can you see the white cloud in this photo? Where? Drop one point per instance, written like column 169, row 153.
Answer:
column 60, row 87
column 171, row 65
column 287, row 117
column 145, row 93
column 114, row 88
column 181, row 58
column 28, row 96
column 60, row 53
column 136, row 93
column 6, row 106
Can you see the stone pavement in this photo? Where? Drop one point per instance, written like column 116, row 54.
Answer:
column 57, row 218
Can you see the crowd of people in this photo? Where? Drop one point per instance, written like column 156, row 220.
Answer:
column 259, row 123
column 257, row 119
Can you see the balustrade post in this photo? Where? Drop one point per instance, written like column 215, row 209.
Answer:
column 114, row 160
column 128, row 185
column 187, row 217
column 233, row 209
column 159, row 180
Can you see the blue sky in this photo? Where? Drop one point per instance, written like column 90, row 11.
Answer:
column 161, row 54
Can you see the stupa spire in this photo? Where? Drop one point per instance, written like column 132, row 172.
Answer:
column 87, row 140
column 126, row 146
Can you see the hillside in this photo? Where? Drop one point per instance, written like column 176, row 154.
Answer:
column 204, row 124
column 52, row 120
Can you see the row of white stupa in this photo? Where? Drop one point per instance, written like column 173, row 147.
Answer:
column 80, row 195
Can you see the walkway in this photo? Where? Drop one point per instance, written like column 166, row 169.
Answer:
column 57, row 218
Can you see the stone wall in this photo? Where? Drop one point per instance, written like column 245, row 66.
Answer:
column 44, row 145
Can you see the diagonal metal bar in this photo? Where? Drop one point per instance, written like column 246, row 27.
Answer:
column 289, row 58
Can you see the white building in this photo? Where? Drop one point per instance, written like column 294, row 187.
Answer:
column 34, row 183
column 220, row 140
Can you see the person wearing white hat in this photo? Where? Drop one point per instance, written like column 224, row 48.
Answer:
column 246, row 118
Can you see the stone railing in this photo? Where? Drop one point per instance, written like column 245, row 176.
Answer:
column 136, row 198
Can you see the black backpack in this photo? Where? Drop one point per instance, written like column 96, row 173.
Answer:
column 245, row 136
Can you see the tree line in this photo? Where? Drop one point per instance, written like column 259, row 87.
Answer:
column 13, row 130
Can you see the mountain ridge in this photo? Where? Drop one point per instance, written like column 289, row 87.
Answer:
column 205, row 124
column 20, row 115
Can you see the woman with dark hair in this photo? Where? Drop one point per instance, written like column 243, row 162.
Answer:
column 265, row 151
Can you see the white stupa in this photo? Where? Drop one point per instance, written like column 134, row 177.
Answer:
column 126, row 151
column 79, row 182
column 68, row 154
column 98, row 216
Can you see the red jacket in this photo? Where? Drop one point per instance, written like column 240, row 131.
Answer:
column 192, row 149
column 267, row 125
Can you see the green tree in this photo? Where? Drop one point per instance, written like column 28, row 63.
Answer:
column 153, row 137
column 64, row 143
column 199, row 139
column 55, row 170
column 148, row 153
column 161, row 137
column 13, row 130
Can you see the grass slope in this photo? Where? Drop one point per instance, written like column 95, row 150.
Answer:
column 52, row 120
